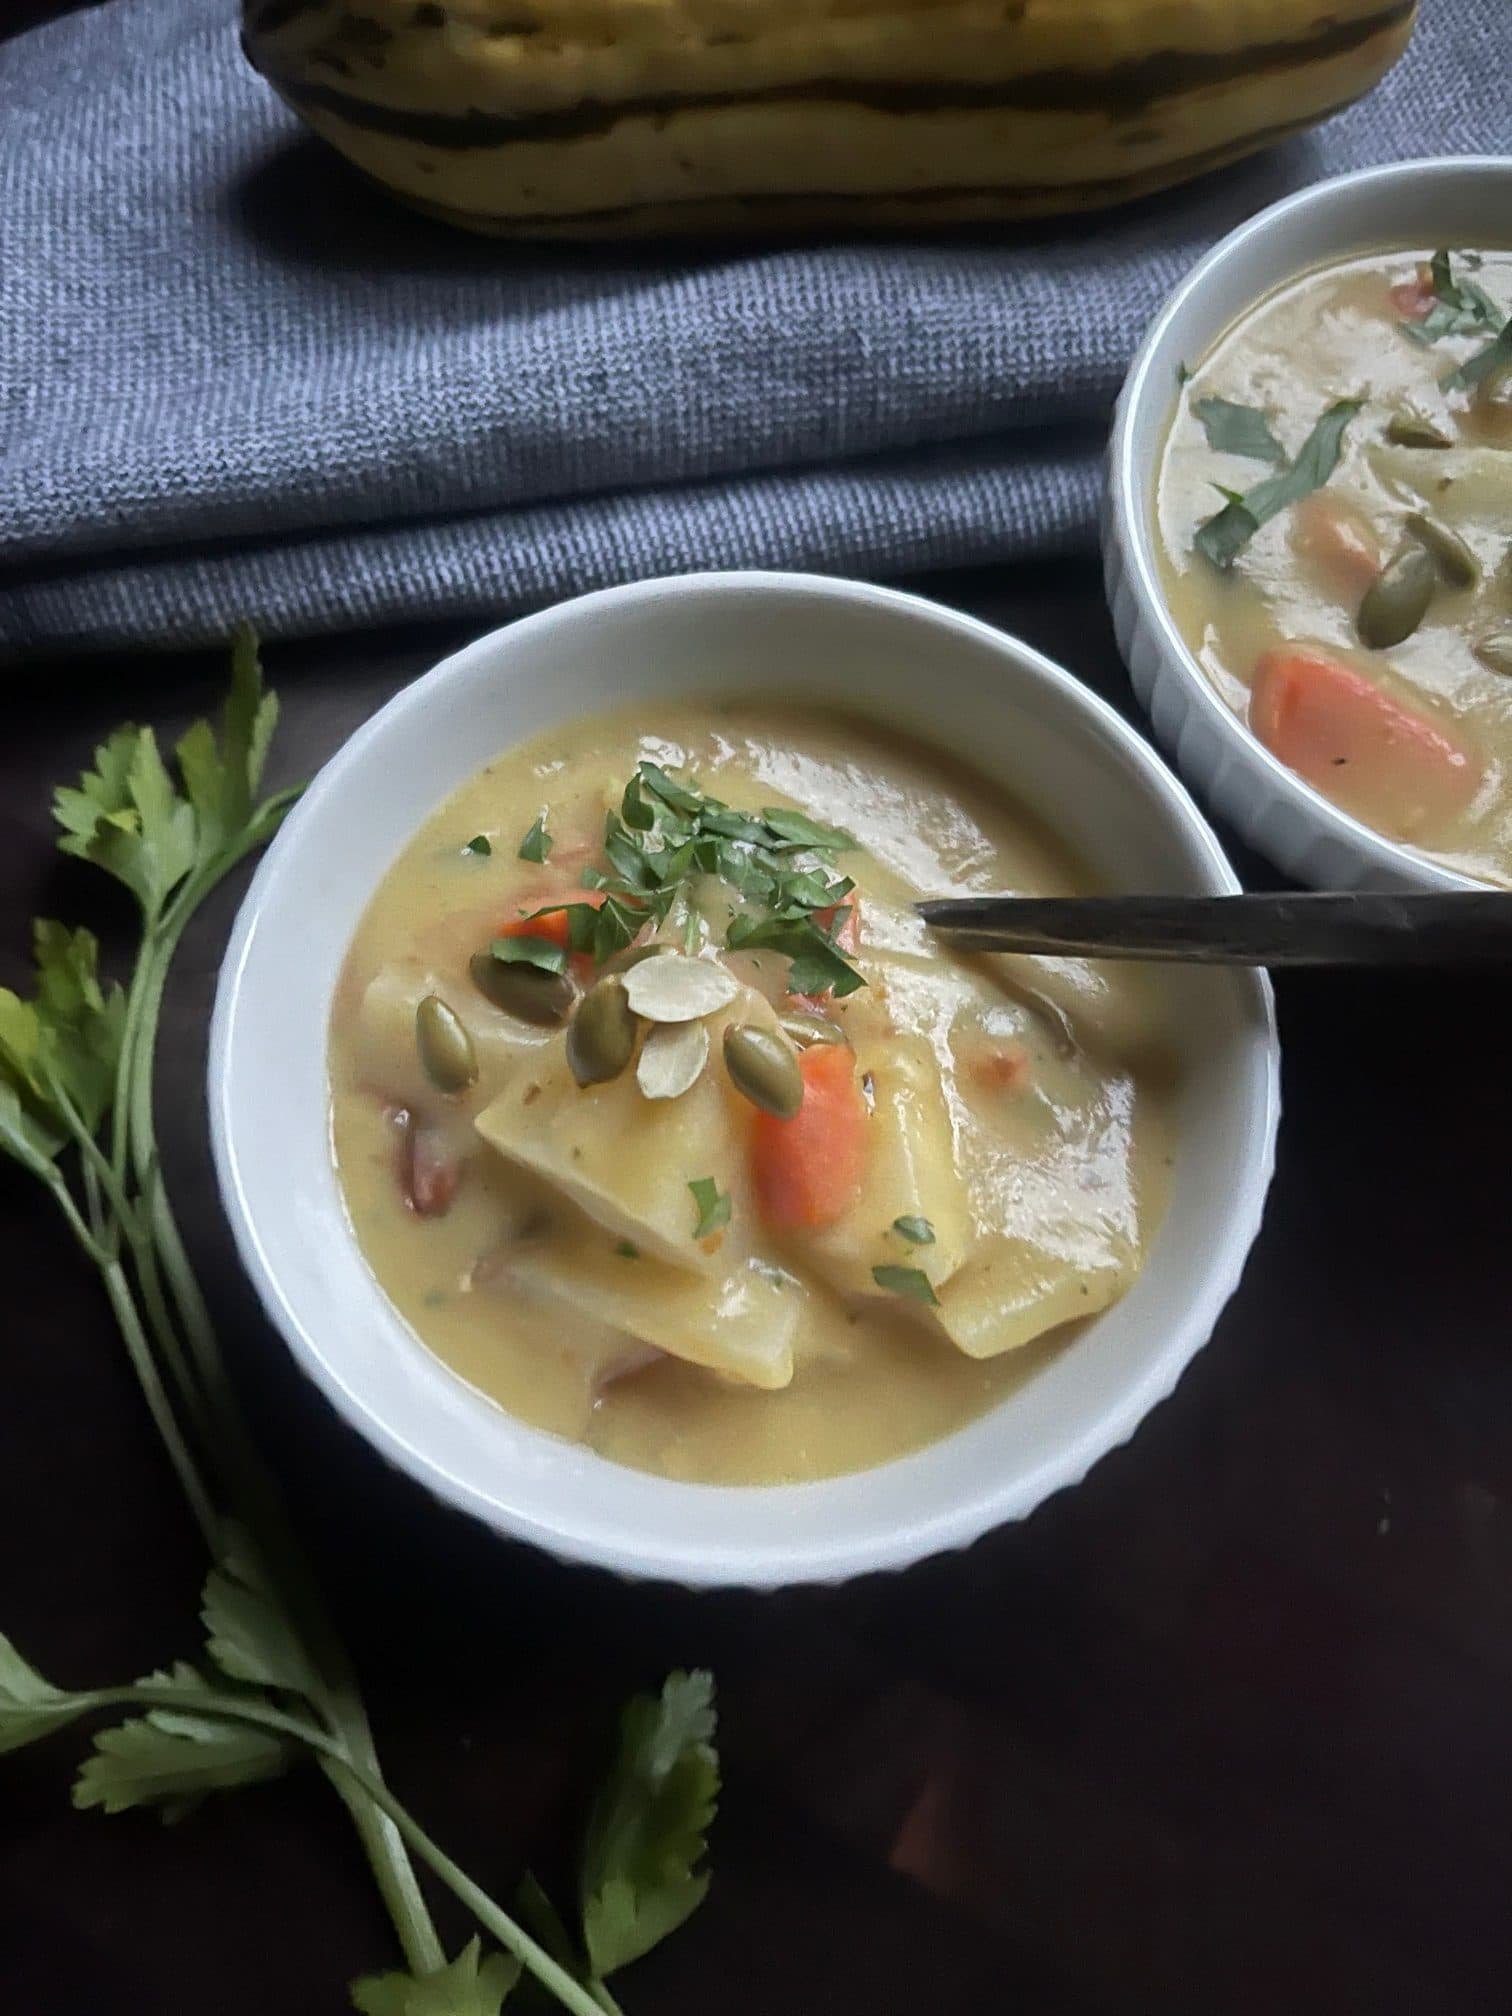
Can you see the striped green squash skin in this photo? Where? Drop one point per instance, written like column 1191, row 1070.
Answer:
column 536, row 118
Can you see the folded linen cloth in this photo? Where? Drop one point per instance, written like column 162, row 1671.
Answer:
column 235, row 380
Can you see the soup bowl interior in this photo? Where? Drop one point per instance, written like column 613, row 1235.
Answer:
column 952, row 682
column 1414, row 203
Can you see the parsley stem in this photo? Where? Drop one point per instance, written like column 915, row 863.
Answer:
column 162, row 1246
column 491, row 1916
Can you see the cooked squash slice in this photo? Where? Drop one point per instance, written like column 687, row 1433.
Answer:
column 739, row 1324
column 1017, row 1290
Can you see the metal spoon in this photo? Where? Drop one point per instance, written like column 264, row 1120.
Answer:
column 1364, row 928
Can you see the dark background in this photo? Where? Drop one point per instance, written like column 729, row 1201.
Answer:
column 1224, row 1732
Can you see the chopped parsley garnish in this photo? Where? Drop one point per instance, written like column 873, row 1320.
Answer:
column 917, row 1231
column 537, row 842
column 1460, row 307
column 628, row 1250
column 527, row 951
column 1498, row 351
column 909, row 1281
column 1223, row 537
column 1238, row 430
column 780, row 863
column 713, row 1206
column 479, row 844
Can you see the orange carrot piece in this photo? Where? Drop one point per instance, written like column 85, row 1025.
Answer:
column 1413, row 298
column 556, row 926
column 1338, row 541
column 808, row 1170
column 848, row 937
column 1357, row 745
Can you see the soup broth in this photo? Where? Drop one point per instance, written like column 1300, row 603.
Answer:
column 706, row 1279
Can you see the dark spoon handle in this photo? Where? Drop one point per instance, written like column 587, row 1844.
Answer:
column 1472, row 928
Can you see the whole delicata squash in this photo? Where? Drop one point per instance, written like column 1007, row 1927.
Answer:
column 601, row 118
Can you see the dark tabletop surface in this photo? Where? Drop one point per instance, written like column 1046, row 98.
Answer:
column 1226, row 1731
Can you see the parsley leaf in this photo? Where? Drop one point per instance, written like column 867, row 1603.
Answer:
column 917, row 1231
column 537, row 843
column 30, row 1707
column 1459, row 309
column 469, row 1986
column 713, row 1206
column 678, row 796
column 173, row 1758
column 627, row 1250
column 910, row 1281
column 795, row 829
column 1238, row 430
column 646, row 1836
column 127, row 816
column 479, row 844
column 248, row 1634
column 1222, row 538
column 818, row 966
column 221, row 783
column 525, row 950
column 1498, row 351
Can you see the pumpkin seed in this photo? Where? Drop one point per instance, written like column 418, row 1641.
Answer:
column 1397, row 600
column 446, row 1049
column 672, row 1059
column 529, row 992
column 763, row 1068
column 1416, row 430
column 676, row 988
column 1456, row 562
column 601, row 1035
column 806, row 1030
column 1495, row 651
column 632, row 955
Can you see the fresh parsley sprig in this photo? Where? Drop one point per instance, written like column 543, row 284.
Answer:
column 76, row 1112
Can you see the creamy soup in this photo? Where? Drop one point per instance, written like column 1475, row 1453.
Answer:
column 666, row 1124
column 1335, row 516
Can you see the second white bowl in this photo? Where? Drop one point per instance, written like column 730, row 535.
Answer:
column 1018, row 720
column 1452, row 202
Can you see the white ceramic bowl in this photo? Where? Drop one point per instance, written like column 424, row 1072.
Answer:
column 950, row 679
column 1453, row 202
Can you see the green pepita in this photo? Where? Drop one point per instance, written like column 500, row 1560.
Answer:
column 633, row 955
column 528, row 992
column 1456, row 562
column 763, row 1068
column 446, row 1049
column 806, row 1030
column 1416, row 430
column 1397, row 600
column 601, row 1035
column 1495, row 651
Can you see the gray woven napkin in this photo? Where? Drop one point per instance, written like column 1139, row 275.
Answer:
column 235, row 380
